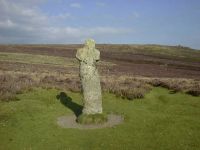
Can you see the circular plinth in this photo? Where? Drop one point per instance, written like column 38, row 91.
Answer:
column 70, row 122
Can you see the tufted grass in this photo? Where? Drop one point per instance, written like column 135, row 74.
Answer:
column 161, row 121
column 92, row 119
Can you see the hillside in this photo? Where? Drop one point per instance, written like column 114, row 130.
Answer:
column 140, row 60
column 155, row 88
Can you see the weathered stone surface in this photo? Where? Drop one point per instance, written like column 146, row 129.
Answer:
column 92, row 98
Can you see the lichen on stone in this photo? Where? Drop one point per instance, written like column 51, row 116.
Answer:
column 88, row 56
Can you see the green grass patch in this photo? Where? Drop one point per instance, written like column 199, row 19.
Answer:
column 184, row 53
column 161, row 121
column 174, row 52
column 37, row 59
column 43, row 59
column 92, row 118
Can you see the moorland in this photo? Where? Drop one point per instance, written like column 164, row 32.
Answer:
column 156, row 88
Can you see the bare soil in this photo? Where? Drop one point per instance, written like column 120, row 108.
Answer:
column 70, row 122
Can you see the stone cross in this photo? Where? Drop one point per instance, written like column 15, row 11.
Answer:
column 91, row 88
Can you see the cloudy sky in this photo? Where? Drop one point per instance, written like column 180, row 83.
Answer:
column 169, row 22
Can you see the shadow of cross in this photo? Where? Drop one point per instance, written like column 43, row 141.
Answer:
column 67, row 101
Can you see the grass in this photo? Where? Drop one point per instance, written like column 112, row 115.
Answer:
column 12, row 85
column 126, row 88
column 185, row 53
column 130, row 88
column 43, row 59
column 37, row 59
column 181, row 52
column 191, row 87
column 161, row 121
column 92, row 119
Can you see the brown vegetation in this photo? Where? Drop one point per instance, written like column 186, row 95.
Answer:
column 135, row 71
column 12, row 85
column 126, row 87
column 141, row 60
column 191, row 87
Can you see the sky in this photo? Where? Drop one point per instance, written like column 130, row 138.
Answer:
column 166, row 22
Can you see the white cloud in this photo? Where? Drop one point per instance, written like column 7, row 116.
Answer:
column 62, row 16
column 19, row 14
column 62, row 35
column 75, row 5
column 20, row 23
column 108, row 30
column 6, row 24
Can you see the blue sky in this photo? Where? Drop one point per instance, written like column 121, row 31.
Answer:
column 168, row 22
